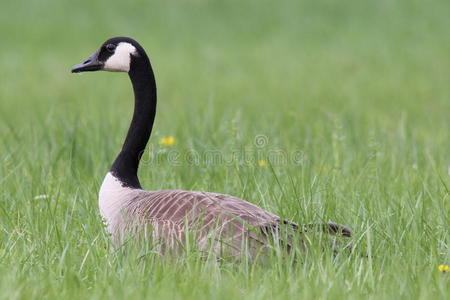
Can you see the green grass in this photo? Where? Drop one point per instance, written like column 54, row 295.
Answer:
column 356, row 91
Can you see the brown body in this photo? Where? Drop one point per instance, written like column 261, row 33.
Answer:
column 214, row 222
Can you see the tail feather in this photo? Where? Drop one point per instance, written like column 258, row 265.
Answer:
column 330, row 228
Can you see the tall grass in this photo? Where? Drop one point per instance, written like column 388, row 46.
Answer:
column 352, row 100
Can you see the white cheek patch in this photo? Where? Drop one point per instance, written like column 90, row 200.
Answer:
column 120, row 60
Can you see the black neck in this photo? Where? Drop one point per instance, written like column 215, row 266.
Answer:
column 126, row 165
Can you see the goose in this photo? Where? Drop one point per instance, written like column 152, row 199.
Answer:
column 167, row 216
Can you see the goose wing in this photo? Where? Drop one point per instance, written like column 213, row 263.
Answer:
column 172, row 213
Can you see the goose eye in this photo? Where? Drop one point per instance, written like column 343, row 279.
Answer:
column 110, row 47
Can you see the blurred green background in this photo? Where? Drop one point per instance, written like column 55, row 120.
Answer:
column 360, row 88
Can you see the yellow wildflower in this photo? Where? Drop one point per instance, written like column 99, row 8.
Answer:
column 262, row 163
column 444, row 268
column 167, row 141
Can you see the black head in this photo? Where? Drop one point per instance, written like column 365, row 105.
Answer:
column 114, row 55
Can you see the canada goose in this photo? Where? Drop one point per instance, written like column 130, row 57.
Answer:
column 169, row 214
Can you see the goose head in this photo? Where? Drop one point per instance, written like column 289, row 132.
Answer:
column 115, row 55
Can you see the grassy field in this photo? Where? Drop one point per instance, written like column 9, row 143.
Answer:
column 348, row 103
